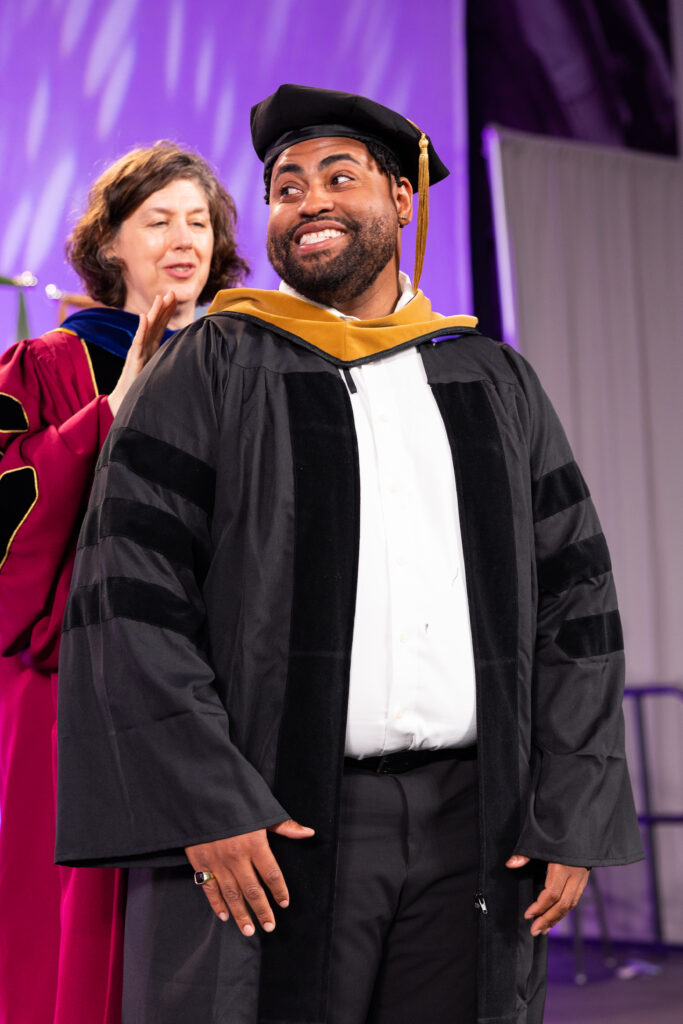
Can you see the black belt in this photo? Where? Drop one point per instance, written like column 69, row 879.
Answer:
column 407, row 760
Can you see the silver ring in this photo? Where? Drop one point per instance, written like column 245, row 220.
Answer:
column 202, row 877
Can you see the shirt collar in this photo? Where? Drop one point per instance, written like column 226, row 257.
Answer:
column 404, row 282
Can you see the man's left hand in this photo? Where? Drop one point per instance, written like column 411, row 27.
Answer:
column 563, row 887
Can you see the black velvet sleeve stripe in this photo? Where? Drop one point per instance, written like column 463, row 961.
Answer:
column 18, row 494
column 13, row 419
column 580, row 561
column 148, row 527
column 164, row 464
column 120, row 598
column 591, row 635
column 558, row 490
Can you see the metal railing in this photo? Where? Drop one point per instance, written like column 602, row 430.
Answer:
column 649, row 820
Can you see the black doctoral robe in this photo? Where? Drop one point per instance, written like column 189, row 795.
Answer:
column 206, row 652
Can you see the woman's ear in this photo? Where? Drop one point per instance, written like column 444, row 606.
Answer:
column 109, row 249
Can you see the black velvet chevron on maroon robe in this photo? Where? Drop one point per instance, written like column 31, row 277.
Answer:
column 206, row 655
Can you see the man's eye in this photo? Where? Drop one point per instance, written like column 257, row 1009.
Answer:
column 288, row 190
column 341, row 178
column 159, row 224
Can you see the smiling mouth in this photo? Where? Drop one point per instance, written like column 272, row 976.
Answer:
column 311, row 237
column 180, row 268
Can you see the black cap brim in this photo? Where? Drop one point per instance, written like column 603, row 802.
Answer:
column 297, row 112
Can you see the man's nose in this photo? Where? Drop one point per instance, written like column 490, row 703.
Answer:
column 315, row 199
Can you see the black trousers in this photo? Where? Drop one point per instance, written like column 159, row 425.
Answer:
column 404, row 938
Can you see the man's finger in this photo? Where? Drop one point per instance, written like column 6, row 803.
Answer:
column 215, row 897
column 292, row 829
column 549, row 913
column 543, row 924
column 256, row 898
column 232, row 894
column 516, row 861
column 564, row 886
column 562, row 882
column 546, row 899
column 269, row 871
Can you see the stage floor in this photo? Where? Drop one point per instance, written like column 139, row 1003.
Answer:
column 649, row 991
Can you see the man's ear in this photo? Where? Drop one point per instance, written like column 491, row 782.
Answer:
column 403, row 197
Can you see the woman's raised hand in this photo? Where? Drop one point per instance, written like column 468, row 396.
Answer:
column 143, row 346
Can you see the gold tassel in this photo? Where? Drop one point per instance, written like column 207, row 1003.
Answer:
column 422, row 210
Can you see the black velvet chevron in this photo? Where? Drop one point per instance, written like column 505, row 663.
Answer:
column 17, row 495
column 591, row 635
column 12, row 415
column 583, row 560
column 164, row 464
column 149, row 527
column 311, row 739
column 558, row 490
column 486, row 523
column 119, row 597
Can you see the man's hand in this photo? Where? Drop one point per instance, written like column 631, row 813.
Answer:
column 239, row 865
column 563, row 887
column 143, row 346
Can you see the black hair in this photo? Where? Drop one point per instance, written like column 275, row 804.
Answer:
column 385, row 160
column 383, row 157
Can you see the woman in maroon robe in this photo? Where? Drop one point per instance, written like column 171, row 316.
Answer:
column 158, row 224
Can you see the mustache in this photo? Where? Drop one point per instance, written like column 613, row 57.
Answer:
column 346, row 222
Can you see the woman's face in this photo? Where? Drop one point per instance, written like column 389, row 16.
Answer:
column 166, row 243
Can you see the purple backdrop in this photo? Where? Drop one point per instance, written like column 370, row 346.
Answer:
column 81, row 82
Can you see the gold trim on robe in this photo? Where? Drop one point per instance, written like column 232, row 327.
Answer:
column 20, row 469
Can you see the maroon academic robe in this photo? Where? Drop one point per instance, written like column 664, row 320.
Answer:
column 62, row 929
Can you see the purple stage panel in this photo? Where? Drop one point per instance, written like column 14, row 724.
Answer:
column 82, row 82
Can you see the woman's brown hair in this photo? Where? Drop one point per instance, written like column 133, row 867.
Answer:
column 120, row 190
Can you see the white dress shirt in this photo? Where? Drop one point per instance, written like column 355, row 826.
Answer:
column 412, row 683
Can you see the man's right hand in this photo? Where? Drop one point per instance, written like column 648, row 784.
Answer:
column 240, row 865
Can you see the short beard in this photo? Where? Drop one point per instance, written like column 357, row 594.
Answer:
column 334, row 281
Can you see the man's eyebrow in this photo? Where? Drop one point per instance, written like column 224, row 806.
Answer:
column 289, row 169
column 292, row 168
column 337, row 156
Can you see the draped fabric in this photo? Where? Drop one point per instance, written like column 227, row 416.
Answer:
column 599, row 72
column 590, row 251
column 54, row 418
column 208, row 704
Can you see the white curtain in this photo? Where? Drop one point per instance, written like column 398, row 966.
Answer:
column 590, row 256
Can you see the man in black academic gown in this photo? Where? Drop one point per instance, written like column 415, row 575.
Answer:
column 342, row 632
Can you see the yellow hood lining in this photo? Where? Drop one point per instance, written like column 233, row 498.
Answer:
column 346, row 341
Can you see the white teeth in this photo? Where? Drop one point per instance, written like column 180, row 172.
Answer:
column 320, row 236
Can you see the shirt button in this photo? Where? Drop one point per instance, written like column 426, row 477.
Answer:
column 399, row 714
column 401, row 560
column 404, row 638
column 394, row 488
column 384, row 418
